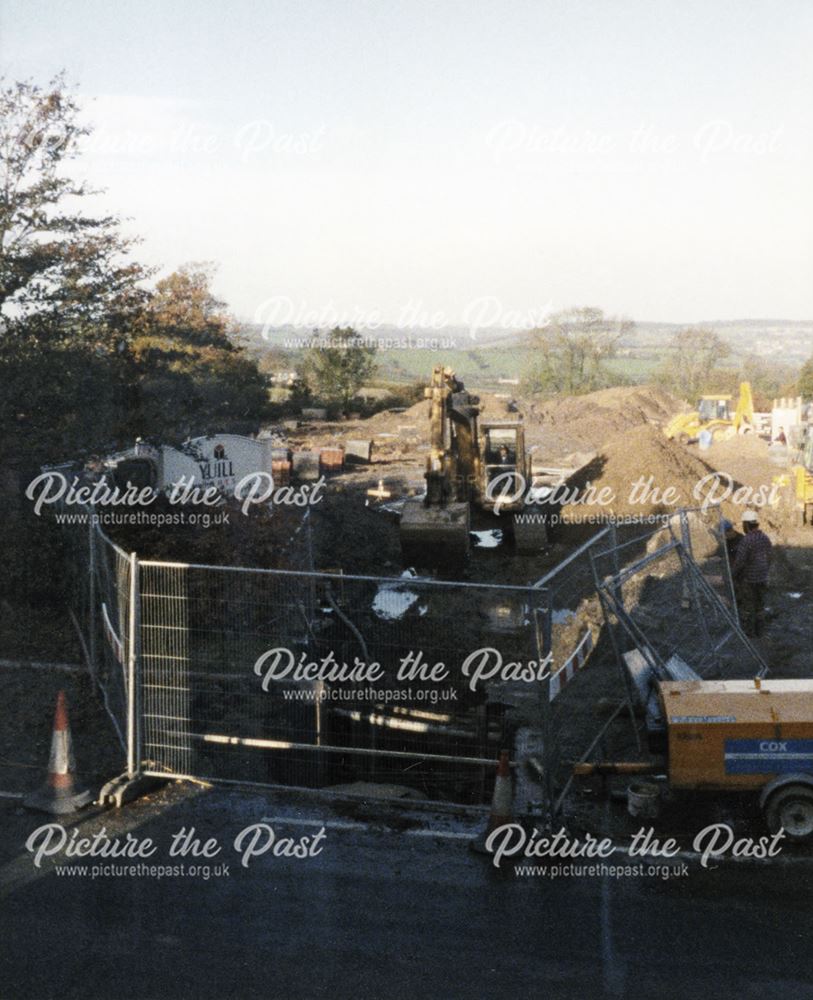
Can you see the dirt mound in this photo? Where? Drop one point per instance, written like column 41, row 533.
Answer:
column 588, row 421
column 388, row 420
column 637, row 452
column 647, row 402
column 491, row 407
column 404, row 436
column 558, row 426
column 556, row 429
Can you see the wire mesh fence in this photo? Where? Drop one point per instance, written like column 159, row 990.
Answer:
column 572, row 629
column 100, row 598
column 662, row 588
column 324, row 679
column 669, row 595
column 110, row 627
column 317, row 679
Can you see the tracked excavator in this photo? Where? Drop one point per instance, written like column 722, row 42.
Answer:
column 470, row 465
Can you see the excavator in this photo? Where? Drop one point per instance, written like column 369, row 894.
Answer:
column 469, row 464
column 713, row 414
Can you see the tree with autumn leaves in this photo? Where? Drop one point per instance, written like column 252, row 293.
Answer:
column 186, row 373
column 92, row 353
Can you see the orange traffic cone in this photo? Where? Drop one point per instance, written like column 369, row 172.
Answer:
column 59, row 794
column 502, row 802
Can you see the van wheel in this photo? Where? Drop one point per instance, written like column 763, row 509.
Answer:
column 791, row 809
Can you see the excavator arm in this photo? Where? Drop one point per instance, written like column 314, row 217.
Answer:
column 744, row 414
column 435, row 528
column 438, row 523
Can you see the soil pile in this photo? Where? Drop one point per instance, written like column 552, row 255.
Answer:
column 636, row 452
column 404, row 435
column 557, row 429
column 417, row 416
column 586, row 422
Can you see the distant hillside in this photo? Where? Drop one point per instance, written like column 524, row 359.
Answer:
column 406, row 355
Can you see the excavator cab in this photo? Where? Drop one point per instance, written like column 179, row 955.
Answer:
column 503, row 450
column 714, row 408
column 500, row 445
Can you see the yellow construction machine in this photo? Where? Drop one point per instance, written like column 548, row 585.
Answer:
column 469, row 463
column 714, row 414
column 803, row 478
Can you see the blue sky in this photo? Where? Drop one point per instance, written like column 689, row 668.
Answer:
column 355, row 159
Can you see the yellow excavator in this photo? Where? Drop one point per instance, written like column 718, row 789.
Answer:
column 714, row 414
column 469, row 463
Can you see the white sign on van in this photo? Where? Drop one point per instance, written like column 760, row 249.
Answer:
column 220, row 461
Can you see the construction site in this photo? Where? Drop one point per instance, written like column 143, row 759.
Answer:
column 406, row 501
column 398, row 636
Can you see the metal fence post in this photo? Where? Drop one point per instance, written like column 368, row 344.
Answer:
column 544, row 642
column 618, row 592
column 617, row 595
column 689, row 590
column 727, row 574
column 133, row 721
column 92, row 599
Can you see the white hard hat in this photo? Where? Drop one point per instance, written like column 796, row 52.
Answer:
column 750, row 517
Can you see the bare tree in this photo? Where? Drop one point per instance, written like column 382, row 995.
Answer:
column 571, row 351
column 692, row 365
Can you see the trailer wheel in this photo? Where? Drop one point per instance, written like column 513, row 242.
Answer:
column 791, row 809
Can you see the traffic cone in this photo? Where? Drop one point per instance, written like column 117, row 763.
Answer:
column 59, row 794
column 502, row 803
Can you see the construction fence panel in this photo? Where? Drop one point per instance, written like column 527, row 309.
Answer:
column 99, row 588
column 572, row 628
column 315, row 679
column 703, row 535
column 663, row 584
column 225, row 661
column 110, row 629
column 672, row 598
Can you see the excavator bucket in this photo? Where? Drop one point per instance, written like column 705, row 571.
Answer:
column 434, row 536
column 530, row 532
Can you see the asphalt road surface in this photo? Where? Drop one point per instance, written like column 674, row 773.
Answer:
column 377, row 913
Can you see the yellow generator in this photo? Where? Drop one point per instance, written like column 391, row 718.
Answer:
column 714, row 414
column 745, row 735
